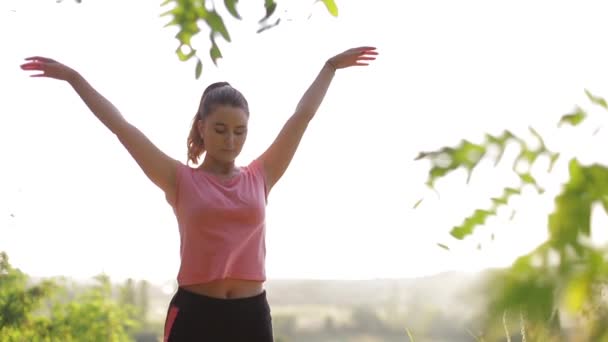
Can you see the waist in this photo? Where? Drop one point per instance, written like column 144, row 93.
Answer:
column 227, row 288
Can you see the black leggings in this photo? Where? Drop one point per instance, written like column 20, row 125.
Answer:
column 194, row 317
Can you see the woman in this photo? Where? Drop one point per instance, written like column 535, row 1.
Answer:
column 219, row 207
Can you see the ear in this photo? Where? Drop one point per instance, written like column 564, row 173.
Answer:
column 200, row 127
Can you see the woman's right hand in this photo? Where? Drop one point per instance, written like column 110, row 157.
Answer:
column 49, row 68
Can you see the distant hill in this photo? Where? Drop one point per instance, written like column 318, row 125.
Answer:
column 440, row 307
column 443, row 290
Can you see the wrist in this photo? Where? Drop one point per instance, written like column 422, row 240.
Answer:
column 72, row 76
column 330, row 65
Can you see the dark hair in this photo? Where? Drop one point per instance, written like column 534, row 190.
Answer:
column 216, row 94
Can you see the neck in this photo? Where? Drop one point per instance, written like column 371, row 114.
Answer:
column 213, row 165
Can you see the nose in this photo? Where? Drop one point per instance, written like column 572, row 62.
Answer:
column 229, row 141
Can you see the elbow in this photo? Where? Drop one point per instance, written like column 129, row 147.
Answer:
column 304, row 114
column 121, row 129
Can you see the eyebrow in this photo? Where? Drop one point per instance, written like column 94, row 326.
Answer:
column 223, row 125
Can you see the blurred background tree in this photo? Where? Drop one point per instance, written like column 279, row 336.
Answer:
column 53, row 310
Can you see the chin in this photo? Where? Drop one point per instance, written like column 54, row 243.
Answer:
column 225, row 157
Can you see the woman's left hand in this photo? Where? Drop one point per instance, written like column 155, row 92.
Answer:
column 359, row 56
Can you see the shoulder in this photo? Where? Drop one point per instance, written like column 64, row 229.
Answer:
column 183, row 173
column 182, row 169
column 256, row 169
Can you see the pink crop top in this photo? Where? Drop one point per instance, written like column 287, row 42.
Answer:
column 221, row 224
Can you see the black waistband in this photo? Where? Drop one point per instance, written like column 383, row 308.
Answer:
column 185, row 297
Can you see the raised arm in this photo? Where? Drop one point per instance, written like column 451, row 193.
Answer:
column 159, row 167
column 277, row 157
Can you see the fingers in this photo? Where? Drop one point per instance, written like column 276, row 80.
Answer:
column 362, row 53
column 365, row 51
column 363, row 61
column 35, row 66
column 371, row 53
column 37, row 63
column 365, row 48
column 39, row 58
column 32, row 66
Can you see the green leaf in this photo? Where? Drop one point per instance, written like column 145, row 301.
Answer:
column 214, row 52
column 571, row 217
column 576, row 174
column 184, row 56
column 231, row 7
column 553, row 160
column 422, row 155
column 331, row 7
column 527, row 178
column 216, row 23
column 499, row 200
column 512, row 191
column 604, row 201
column 504, row 199
column 470, row 223
column 574, row 118
column 268, row 26
column 577, row 293
column 173, row 22
column 184, row 37
column 438, row 172
column 537, row 135
column 596, row 99
column 443, row 246
column 468, row 154
column 270, row 6
column 528, row 155
column 199, row 69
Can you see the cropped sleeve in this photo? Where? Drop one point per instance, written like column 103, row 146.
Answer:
column 257, row 169
column 180, row 175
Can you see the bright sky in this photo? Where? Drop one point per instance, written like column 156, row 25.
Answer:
column 73, row 202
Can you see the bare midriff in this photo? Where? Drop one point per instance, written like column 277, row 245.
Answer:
column 227, row 288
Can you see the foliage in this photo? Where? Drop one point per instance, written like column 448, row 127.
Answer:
column 565, row 275
column 53, row 311
column 189, row 15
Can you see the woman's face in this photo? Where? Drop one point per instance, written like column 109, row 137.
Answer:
column 224, row 132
